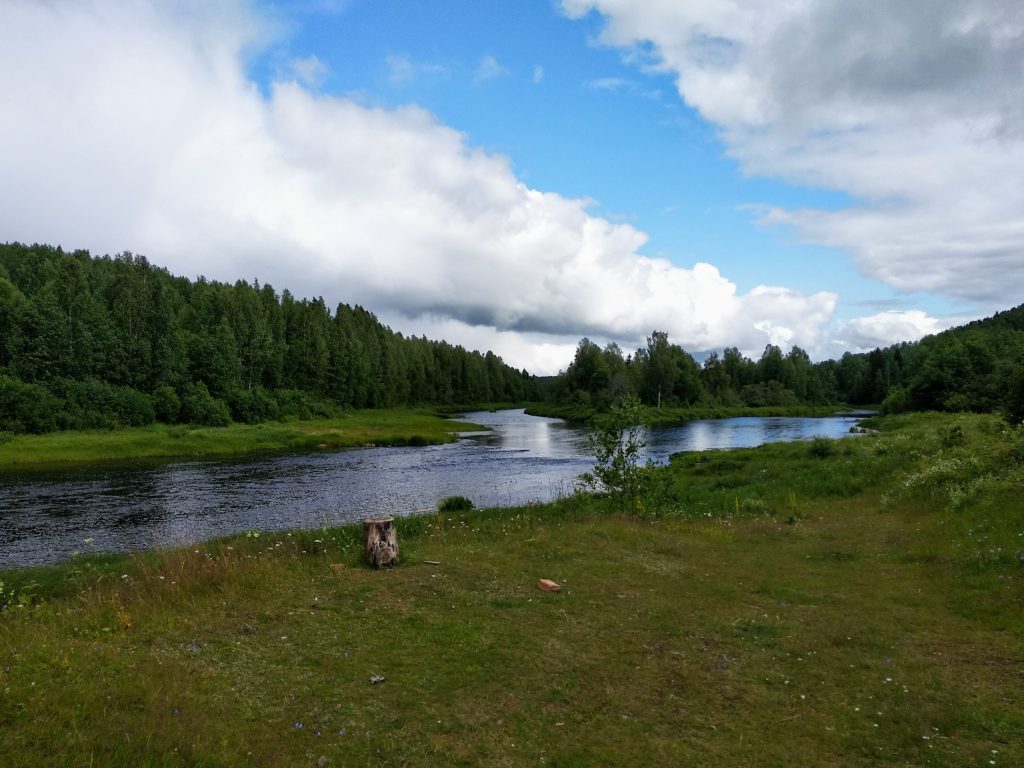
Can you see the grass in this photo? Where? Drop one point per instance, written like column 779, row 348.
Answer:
column 161, row 441
column 787, row 605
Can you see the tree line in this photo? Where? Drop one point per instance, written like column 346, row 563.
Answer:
column 977, row 367
column 89, row 342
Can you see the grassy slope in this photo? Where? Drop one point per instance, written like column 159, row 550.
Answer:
column 863, row 607
column 376, row 427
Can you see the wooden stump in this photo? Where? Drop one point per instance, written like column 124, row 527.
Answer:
column 380, row 542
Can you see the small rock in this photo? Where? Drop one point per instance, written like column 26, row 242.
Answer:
column 547, row 585
column 374, row 679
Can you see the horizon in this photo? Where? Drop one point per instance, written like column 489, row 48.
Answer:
column 514, row 177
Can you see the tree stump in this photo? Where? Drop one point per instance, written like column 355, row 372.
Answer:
column 380, row 542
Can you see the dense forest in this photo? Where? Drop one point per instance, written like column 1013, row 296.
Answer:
column 91, row 342
column 977, row 367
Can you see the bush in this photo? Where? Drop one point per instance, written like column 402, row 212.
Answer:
column 455, row 504
column 166, row 404
column 26, row 407
column 297, row 404
column 821, row 448
column 897, row 401
column 95, row 404
column 132, row 407
column 617, row 440
column 253, row 406
column 200, row 407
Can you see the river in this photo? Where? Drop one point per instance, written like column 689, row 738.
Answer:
column 45, row 518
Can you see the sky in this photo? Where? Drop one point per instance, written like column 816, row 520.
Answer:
column 516, row 175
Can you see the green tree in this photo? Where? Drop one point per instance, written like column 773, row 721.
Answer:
column 618, row 439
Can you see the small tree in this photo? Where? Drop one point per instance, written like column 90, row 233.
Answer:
column 617, row 440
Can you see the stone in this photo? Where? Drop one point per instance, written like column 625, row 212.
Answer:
column 547, row 585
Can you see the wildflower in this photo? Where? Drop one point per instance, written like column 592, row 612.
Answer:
column 298, row 725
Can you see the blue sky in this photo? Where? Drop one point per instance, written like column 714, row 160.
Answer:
column 587, row 124
column 515, row 175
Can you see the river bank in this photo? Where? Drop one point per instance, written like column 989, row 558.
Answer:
column 162, row 442
column 666, row 416
column 854, row 602
column 376, row 427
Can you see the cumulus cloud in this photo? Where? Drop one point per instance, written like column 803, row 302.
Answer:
column 915, row 108
column 866, row 333
column 127, row 125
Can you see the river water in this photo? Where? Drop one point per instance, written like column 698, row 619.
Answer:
column 46, row 518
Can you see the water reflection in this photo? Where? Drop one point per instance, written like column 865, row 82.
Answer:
column 744, row 432
column 45, row 519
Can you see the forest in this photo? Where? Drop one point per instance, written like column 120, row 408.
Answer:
column 101, row 342
column 977, row 367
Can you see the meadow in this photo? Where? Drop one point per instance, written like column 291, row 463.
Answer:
column 396, row 426
column 834, row 603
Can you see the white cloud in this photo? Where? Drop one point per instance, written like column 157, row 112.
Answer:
column 127, row 125
column 402, row 69
column 863, row 334
column 488, row 69
column 538, row 74
column 609, row 84
column 915, row 108
column 309, row 71
column 622, row 84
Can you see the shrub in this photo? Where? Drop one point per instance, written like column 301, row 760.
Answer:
column 200, row 407
column 297, row 404
column 455, row 504
column 166, row 404
column 617, row 440
column 821, row 448
column 253, row 406
column 897, row 401
column 132, row 407
column 26, row 407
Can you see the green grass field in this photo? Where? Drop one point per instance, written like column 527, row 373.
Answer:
column 159, row 442
column 848, row 603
